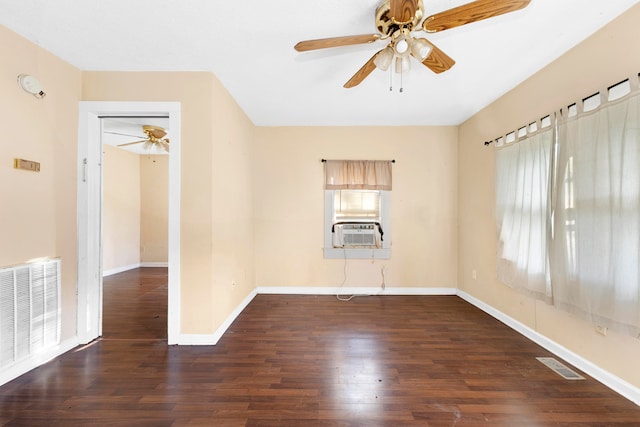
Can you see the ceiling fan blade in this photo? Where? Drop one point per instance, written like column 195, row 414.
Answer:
column 438, row 61
column 335, row 42
column 362, row 73
column 471, row 12
column 125, row 134
column 402, row 11
column 131, row 143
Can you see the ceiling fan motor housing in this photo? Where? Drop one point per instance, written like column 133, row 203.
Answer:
column 388, row 26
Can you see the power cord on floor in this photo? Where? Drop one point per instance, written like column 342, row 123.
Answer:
column 344, row 280
column 340, row 297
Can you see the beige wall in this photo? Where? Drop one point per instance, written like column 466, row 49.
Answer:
column 606, row 58
column 216, row 208
column 289, row 205
column 135, row 208
column 120, row 208
column 242, row 186
column 232, row 198
column 154, row 208
column 38, row 210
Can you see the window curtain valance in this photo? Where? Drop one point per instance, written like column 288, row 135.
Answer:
column 357, row 174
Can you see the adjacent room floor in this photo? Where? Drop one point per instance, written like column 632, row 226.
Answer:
column 307, row 361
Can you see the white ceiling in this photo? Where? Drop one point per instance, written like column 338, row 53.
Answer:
column 248, row 45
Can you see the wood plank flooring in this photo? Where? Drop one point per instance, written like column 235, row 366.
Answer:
column 135, row 304
column 310, row 361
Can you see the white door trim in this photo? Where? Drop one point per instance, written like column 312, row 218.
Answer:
column 89, row 211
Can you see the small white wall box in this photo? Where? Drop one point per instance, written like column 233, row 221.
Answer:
column 31, row 85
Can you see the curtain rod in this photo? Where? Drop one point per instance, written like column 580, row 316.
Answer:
column 392, row 161
column 636, row 76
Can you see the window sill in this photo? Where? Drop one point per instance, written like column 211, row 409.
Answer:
column 359, row 253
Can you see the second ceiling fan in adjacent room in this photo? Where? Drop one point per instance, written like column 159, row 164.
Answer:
column 155, row 137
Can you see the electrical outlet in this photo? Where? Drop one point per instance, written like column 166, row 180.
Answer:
column 602, row 330
column 474, row 274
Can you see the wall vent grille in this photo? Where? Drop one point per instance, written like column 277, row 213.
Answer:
column 29, row 310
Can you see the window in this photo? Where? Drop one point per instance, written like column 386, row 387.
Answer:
column 357, row 209
column 357, row 224
column 596, row 243
column 522, row 183
column 567, row 206
column 356, row 205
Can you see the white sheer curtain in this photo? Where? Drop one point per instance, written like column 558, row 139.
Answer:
column 595, row 252
column 568, row 212
column 522, row 192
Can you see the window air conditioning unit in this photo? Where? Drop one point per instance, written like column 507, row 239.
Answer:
column 359, row 234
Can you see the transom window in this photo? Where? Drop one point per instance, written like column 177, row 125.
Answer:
column 357, row 202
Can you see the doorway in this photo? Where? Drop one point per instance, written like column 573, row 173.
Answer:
column 135, row 194
column 90, row 209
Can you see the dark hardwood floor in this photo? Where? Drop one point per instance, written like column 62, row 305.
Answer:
column 135, row 304
column 308, row 361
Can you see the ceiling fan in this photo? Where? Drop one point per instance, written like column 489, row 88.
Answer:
column 399, row 20
column 155, row 137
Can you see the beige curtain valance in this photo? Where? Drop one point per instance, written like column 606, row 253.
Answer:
column 357, row 174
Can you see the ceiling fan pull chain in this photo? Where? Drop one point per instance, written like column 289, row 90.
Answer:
column 390, row 80
column 401, row 83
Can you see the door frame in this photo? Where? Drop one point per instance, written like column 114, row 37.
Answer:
column 89, row 198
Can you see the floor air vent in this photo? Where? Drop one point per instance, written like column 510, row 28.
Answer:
column 560, row 369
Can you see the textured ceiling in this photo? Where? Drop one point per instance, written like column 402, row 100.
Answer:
column 248, row 45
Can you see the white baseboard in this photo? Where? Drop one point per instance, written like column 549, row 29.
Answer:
column 154, row 264
column 195, row 339
column 117, row 270
column 24, row 366
column 614, row 382
column 212, row 339
column 366, row 290
column 132, row 266
column 229, row 320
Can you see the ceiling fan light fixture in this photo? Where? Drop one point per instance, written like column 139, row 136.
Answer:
column 402, row 45
column 403, row 64
column 421, row 49
column 383, row 59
